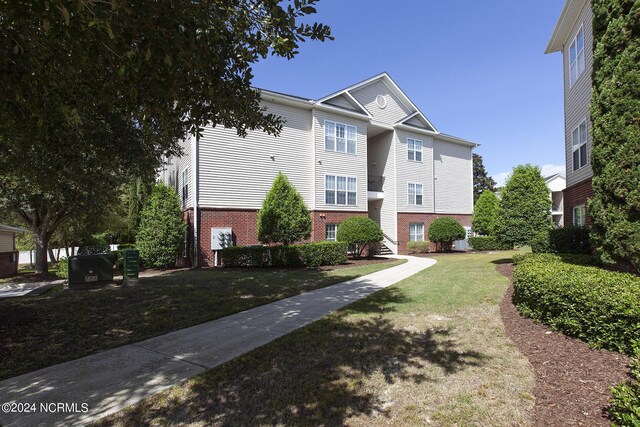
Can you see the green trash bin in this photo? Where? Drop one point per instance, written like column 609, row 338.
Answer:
column 131, row 266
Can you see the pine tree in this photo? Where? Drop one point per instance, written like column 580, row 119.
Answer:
column 525, row 207
column 485, row 214
column 284, row 218
column 481, row 181
column 615, row 113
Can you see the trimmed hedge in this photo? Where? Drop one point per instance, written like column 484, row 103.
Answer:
column 419, row 247
column 598, row 306
column 624, row 406
column 303, row 255
column 567, row 240
column 488, row 243
column 444, row 231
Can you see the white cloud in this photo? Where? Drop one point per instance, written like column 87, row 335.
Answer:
column 545, row 170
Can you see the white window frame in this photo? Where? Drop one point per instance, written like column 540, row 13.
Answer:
column 579, row 219
column 414, row 236
column 184, row 184
column 412, row 199
column 335, row 190
column 350, row 144
column 334, row 233
column 413, row 151
column 576, row 64
column 577, row 142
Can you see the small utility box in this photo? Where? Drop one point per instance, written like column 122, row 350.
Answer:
column 90, row 270
column 131, row 266
column 220, row 239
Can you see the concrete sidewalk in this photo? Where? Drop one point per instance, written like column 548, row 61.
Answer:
column 111, row 380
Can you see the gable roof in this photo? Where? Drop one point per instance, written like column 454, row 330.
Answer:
column 566, row 21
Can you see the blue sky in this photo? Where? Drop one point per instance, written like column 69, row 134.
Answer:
column 476, row 69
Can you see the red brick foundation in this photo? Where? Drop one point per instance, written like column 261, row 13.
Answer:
column 8, row 264
column 319, row 220
column 576, row 195
column 404, row 219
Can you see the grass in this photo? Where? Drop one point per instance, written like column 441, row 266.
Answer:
column 58, row 326
column 428, row 350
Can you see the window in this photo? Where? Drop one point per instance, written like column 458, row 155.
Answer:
column 414, row 149
column 340, row 190
column 579, row 146
column 340, row 137
column 415, row 194
column 331, row 230
column 576, row 57
column 185, row 185
column 579, row 214
column 416, row 231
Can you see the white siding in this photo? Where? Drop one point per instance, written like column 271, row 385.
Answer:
column 416, row 172
column 342, row 102
column 394, row 111
column 238, row 172
column 453, row 170
column 578, row 97
column 6, row 242
column 382, row 163
column 334, row 163
column 172, row 175
column 416, row 121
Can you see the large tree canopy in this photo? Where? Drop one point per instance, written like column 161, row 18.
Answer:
column 615, row 113
column 95, row 92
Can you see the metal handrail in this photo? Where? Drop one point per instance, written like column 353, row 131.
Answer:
column 389, row 239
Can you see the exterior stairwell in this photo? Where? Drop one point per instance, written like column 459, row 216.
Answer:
column 384, row 249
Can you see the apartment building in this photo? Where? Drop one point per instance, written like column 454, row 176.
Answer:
column 573, row 36
column 365, row 150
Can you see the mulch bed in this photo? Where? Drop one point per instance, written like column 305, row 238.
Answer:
column 572, row 380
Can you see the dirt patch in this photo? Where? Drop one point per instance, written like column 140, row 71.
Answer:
column 572, row 380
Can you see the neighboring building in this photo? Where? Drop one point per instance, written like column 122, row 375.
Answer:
column 573, row 37
column 8, row 253
column 556, row 184
column 365, row 150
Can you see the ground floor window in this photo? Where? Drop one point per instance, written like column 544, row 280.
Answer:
column 579, row 214
column 331, row 231
column 416, row 231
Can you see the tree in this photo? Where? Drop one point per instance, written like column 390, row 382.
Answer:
column 284, row 218
column 481, row 181
column 615, row 113
column 485, row 214
column 162, row 229
column 444, row 231
column 94, row 92
column 359, row 231
column 525, row 207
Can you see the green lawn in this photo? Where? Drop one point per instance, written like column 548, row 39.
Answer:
column 430, row 350
column 61, row 325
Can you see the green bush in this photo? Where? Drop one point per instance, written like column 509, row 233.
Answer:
column 624, row 406
column 488, row 243
column 359, row 231
column 302, row 255
column 63, row 268
column 598, row 306
column 444, row 231
column 419, row 247
column 485, row 214
column 540, row 243
column 566, row 240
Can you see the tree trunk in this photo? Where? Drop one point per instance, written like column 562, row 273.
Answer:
column 42, row 243
column 52, row 255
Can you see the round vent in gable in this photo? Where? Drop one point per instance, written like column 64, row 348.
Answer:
column 381, row 101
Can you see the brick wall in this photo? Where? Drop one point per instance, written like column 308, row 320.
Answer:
column 8, row 264
column 319, row 220
column 576, row 195
column 404, row 219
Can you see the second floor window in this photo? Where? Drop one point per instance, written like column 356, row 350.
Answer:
column 579, row 146
column 340, row 137
column 414, row 149
column 340, row 190
column 576, row 57
column 415, row 193
column 185, row 185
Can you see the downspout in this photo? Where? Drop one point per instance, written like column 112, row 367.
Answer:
column 196, row 198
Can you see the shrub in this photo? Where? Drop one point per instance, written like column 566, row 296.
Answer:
column 63, row 268
column 540, row 242
column 162, row 230
column 566, row 240
column 444, row 231
column 598, row 306
column 283, row 218
column 488, row 243
column 302, row 255
column 624, row 406
column 359, row 231
column 418, row 247
column 485, row 214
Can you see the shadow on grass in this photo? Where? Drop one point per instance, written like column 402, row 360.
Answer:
column 318, row 375
column 502, row 261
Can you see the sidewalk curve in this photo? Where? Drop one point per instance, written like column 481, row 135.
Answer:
column 111, row 380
